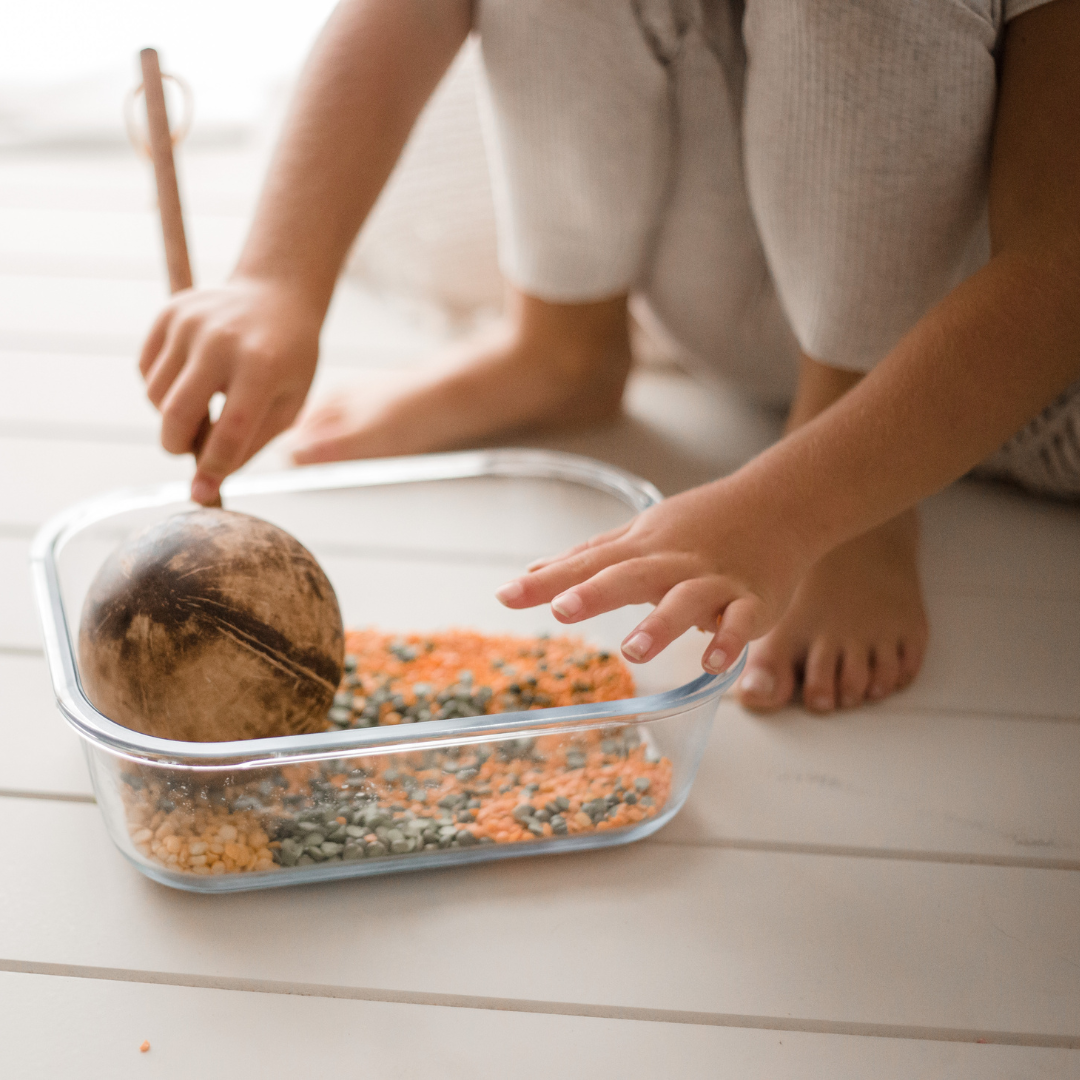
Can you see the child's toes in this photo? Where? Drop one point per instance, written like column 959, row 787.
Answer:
column 854, row 675
column 819, row 683
column 886, row 670
column 768, row 682
column 911, row 654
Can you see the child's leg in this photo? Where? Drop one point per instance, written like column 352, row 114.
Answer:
column 579, row 113
column 547, row 364
column 867, row 142
column 856, row 627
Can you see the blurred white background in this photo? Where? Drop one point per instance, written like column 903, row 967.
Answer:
column 66, row 66
column 62, row 62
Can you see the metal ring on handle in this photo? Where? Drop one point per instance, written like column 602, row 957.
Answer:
column 135, row 132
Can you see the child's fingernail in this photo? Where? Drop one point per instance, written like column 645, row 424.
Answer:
column 567, row 604
column 510, row 593
column 716, row 661
column 758, row 682
column 203, row 491
column 637, row 646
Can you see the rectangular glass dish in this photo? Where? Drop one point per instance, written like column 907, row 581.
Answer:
column 412, row 546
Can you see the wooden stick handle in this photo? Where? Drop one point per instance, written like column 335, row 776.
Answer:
column 172, row 218
column 168, row 192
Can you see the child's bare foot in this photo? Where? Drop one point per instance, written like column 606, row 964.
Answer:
column 547, row 365
column 855, row 630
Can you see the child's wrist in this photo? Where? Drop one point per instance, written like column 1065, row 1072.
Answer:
column 783, row 511
column 304, row 293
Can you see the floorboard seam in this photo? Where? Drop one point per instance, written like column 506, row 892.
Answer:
column 771, row 847
column 888, row 708
column 48, row 796
column 75, row 432
column 16, row 531
column 1025, row 862
column 555, row 1008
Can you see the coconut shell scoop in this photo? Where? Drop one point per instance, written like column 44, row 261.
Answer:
column 212, row 626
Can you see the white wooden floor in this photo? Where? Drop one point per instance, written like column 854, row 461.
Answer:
column 893, row 892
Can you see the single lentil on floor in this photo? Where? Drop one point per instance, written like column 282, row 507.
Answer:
column 498, row 792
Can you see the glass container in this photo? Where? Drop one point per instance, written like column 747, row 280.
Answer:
column 413, row 546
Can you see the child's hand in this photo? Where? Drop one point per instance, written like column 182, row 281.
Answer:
column 704, row 558
column 255, row 341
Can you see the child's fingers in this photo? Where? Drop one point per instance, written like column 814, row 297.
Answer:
column 212, row 470
column 229, row 442
column 169, row 362
column 541, row 585
column 643, row 580
column 688, row 604
column 187, row 403
column 594, row 541
column 743, row 620
column 279, row 416
column 155, row 340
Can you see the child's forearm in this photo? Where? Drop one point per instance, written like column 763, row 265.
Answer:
column 962, row 382
column 370, row 73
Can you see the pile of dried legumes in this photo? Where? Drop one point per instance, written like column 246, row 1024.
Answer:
column 498, row 792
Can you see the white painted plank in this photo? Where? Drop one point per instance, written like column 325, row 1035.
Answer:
column 651, row 926
column 221, row 182
column 123, row 244
column 105, row 1023
column 39, row 477
column 19, row 627
column 70, row 396
column 39, row 751
column 999, row 654
column 97, row 315
column 993, row 540
column 674, row 432
column 900, row 781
